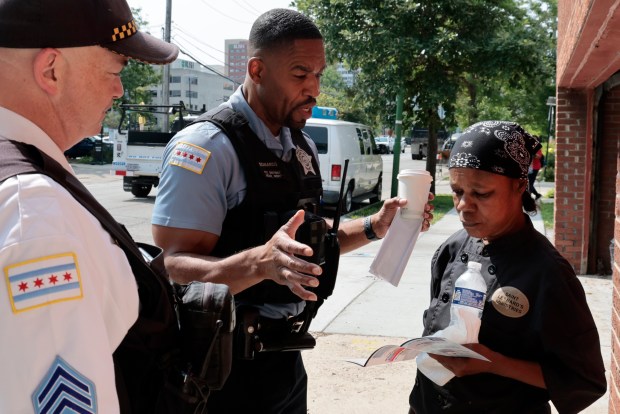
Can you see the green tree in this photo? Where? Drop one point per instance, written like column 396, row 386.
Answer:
column 137, row 77
column 335, row 93
column 431, row 51
column 518, row 94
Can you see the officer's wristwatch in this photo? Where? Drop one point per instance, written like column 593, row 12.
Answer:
column 370, row 234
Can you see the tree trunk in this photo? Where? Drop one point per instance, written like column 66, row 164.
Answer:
column 472, row 113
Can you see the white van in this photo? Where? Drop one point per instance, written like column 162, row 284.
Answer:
column 337, row 141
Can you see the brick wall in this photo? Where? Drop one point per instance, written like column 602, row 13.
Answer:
column 572, row 187
column 614, row 386
column 607, row 176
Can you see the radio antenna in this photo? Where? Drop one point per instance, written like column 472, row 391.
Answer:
column 336, row 223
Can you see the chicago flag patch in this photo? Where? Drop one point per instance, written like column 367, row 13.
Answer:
column 43, row 281
column 189, row 156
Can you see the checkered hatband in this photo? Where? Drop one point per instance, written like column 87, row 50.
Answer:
column 124, row 31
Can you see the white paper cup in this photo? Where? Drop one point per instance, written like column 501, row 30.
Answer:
column 414, row 185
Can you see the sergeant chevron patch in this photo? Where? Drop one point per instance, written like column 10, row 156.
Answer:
column 64, row 390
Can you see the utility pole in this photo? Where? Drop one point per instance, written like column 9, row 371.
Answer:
column 189, row 85
column 399, row 129
column 166, row 81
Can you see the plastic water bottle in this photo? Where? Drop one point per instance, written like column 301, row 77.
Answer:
column 465, row 318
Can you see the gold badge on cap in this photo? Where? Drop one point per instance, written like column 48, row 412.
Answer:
column 124, row 31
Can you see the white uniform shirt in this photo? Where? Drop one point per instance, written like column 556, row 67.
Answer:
column 68, row 295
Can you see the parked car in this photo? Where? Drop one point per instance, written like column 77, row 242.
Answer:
column 337, row 141
column 86, row 147
column 446, row 148
column 419, row 148
column 403, row 144
column 385, row 144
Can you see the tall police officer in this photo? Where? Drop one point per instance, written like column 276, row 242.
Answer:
column 221, row 188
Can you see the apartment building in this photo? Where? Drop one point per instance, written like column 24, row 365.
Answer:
column 194, row 84
column 236, row 58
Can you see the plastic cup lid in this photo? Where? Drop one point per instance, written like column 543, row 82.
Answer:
column 410, row 172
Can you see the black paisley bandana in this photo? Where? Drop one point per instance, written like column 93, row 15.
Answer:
column 499, row 147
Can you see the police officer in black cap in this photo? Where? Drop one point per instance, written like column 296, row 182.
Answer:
column 69, row 296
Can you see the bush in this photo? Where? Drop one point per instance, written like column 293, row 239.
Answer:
column 548, row 173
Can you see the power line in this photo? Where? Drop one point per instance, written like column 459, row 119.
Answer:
column 183, row 39
column 196, row 39
column 258, row 12
column 253, row 11
column 223, row 14
column 207, row 66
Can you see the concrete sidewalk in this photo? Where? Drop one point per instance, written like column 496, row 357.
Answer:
column 365, row 313
column 365, row 306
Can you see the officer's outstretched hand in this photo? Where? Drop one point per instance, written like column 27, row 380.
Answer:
column 282, row 261
column 382, row 219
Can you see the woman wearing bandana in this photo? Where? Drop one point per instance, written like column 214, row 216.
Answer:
column 537, row 330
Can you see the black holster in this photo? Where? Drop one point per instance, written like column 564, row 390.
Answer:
column 255, row 333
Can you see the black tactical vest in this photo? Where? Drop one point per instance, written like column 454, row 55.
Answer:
column 274, row 187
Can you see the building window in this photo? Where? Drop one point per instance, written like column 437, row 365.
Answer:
column 154, row 94
column 187, row 64
column 175, row 79
column 193, row 80
column 191, row 94
column 175, row 93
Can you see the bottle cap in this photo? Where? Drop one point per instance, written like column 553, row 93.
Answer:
column 474, row 265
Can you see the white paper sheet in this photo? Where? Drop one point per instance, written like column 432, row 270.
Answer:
column 389, row 263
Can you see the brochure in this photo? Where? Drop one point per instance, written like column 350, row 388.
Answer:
column 409, row 350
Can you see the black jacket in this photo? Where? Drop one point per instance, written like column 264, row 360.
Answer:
column 535, row 310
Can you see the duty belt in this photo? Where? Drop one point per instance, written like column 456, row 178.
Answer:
column 257, row 333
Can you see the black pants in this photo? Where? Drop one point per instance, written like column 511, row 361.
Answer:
column 475, row 394
column 531, row 177
column 271, row 383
